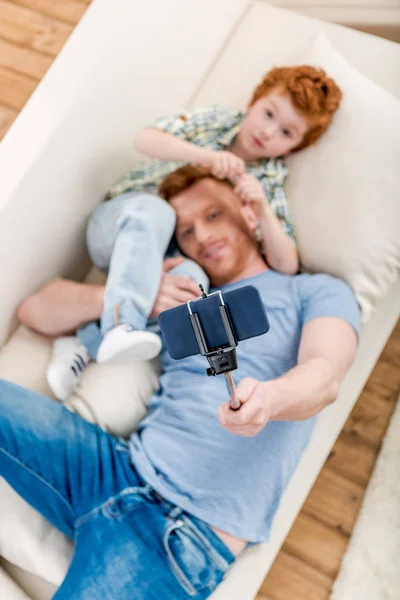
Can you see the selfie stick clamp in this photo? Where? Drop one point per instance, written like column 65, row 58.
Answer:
column 222, row 360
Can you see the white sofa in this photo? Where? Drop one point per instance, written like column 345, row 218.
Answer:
column 123, row 66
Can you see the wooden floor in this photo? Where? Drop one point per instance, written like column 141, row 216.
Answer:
column 32, row 32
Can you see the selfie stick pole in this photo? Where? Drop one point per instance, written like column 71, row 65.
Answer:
column 234, row 401
column 223, row 360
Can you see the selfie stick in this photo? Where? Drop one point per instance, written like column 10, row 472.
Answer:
column 223, row 360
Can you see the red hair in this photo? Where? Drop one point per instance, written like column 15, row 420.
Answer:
column 312, row 92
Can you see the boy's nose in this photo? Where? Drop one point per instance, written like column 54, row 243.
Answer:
column 269, row 130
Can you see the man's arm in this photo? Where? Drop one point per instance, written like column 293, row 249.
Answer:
column 327, row 349
column 62, row 306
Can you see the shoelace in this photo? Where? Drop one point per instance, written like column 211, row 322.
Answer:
column 78, row 364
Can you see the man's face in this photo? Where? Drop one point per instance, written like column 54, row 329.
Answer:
column 272, row 127
column 214, row 230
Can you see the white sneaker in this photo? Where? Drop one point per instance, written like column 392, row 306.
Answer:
column 69, row 359
column 124, row 345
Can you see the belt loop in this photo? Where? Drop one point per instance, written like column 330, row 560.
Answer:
column 175, row 512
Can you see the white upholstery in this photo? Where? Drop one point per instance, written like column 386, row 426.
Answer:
column 125, row 64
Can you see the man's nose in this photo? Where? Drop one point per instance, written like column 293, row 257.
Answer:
column 203, row 233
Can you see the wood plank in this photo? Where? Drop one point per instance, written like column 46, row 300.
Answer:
column 15, row 88
column 352, row 458
column 384, row 380
column 370, row 418
column 290, row 578
column 68, row 11
column 24, row 60
column 29, row 29
column 316, row 544
column 335, row 501
column 391, row 352
column 7, row 117
column 389, row 32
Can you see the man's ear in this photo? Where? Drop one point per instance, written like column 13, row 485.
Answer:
column 249, row 217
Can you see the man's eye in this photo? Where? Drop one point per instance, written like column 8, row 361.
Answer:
column 187, row 232
column 287, row 133
column 213, row 215
column 269, row 114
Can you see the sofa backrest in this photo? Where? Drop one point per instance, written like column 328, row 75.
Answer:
column 125, row 64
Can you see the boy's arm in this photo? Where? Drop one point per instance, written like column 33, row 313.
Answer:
column 156, row 143
column 280, row 252
column 327, row 349
column 166, row 146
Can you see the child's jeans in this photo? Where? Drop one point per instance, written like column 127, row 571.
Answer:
column 128, row 238
column 130, row 544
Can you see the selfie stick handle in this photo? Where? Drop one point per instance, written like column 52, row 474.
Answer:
column 234, row 401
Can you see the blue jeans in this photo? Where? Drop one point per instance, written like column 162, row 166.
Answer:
column 127, row 238
column 130, row 544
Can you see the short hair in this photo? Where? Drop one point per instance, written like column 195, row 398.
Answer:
column 313, row 93
column 183, row 178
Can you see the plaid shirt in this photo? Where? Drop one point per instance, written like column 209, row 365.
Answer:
column 213, row 127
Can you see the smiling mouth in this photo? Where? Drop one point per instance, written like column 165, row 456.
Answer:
column 214, row 251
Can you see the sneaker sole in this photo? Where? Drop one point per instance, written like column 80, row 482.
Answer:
column 140, row 352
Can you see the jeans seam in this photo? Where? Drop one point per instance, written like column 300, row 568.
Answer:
column 179, row 574
column 104, row 505
column 37, row 476
column 218, row 560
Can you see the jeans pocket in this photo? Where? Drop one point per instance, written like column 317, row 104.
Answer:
column 189, row 558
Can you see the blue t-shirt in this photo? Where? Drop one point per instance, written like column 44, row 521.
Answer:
column 231, row 482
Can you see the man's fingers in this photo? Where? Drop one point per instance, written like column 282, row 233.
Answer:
column 184, row 283
column 180, row 296
column 172, row 262
column 246, row 388
column 246, row 421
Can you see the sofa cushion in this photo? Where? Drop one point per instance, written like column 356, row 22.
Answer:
column 345, row 189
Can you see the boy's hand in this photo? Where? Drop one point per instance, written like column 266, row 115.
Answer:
column 251, row 193
column 173, row 290
column 258, row 398
column 224, row 164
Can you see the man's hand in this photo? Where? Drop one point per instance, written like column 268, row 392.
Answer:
column 251, row 193
column 256, row 410
column 224, row 164
column 173, row 290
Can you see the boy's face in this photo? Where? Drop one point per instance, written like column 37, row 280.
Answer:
column 272, row 127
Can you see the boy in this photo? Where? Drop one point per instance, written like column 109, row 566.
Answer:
column 288, row 111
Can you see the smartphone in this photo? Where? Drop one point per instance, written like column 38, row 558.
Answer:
column 246, row 311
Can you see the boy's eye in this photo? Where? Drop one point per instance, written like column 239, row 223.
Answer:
column 287, row 133
column 269, row 114
column 213, row 215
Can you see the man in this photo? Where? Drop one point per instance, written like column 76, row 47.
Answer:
column 164, row 515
